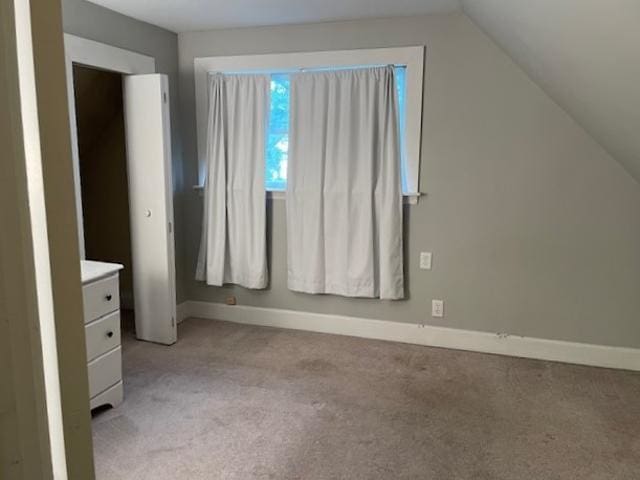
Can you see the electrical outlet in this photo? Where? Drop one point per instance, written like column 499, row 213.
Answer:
column 437, row 308
column 425, row 260
column 231, row 300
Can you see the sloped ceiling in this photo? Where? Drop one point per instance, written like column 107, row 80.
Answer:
column 584, row 53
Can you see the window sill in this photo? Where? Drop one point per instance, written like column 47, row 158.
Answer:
column 408, row 199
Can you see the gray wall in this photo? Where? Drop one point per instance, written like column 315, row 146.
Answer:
column 91, row 21
column 534, row 228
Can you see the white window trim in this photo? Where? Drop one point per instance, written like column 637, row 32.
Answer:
column 410, row 199
column 412, row 57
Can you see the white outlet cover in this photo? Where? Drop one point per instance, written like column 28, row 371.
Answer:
column 425, row 260
column 437, row 308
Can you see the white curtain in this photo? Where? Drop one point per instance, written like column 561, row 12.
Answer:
column 344, row 195
column 233, row 244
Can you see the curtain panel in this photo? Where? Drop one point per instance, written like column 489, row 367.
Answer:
column 344, row 194
column 233, row 243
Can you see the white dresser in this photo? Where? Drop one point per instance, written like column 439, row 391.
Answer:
column 102, row 328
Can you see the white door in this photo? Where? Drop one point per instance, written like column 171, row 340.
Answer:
column 146, row 111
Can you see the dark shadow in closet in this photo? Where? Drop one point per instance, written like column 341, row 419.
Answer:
column 103, row 175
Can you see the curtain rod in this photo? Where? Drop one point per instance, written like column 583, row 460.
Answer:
column 301, row 70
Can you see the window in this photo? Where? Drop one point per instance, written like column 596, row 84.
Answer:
column 409, row 66
column 401, row 87
column 278, row 133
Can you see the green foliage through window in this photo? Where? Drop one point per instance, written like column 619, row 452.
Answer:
column 278, row 134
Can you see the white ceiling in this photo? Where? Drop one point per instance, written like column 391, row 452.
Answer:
column 192, row 15
column 585, row 54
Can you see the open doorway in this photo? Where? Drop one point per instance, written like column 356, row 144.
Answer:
column 121, row 149
column 102, row 158
column 120, row 137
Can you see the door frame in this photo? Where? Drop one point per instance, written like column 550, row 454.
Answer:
column 105, row 57
column 94, row 54
column 31, row 424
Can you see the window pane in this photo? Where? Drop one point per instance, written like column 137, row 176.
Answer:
column 401, row 87
column 278, row 134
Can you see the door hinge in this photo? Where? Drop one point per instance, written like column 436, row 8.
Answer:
column 170, row 228
column 173, row 321
column 164, row 97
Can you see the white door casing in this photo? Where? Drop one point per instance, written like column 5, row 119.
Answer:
column 85, row 52
column 32, row 439
column 153, row 274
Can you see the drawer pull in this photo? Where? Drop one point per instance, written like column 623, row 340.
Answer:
column 108, row 297
column 109, row 334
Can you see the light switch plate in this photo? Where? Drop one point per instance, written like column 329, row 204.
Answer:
column 425, row 260
column 437, row 308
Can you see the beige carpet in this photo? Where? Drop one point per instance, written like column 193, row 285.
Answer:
column 240, row 402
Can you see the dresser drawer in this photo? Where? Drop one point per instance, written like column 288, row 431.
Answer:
column 100, row 297
column 112, row 396
column 105, row 371
column 103, row 335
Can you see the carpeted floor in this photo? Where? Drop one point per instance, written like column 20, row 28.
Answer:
column 240, row 402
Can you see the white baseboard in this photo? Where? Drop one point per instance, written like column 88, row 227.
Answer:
column 501, row 344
